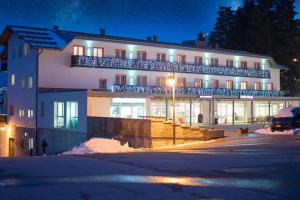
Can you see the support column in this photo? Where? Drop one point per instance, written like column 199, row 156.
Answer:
column 190, row 112
column 232, row 112
column 252, row 115
column 166, row 117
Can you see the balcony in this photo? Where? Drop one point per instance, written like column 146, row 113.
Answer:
column 152, row 65
column 192, row 91
column 3, row 90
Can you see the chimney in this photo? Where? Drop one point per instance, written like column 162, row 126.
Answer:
column 155, row 38
column 148, row 39
column 56, row 27
column 102, row 31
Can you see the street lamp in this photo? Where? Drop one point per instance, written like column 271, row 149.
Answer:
column 171, row 81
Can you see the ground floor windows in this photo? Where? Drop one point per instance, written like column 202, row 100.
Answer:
column 59, row 114
column 72, row 115
column 66, row 118
column 128, row 108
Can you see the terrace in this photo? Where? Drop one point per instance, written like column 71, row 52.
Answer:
column 153, row 65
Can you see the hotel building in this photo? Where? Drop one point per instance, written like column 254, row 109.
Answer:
column 57, row 79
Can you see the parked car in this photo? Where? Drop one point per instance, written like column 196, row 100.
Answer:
column 286, row 119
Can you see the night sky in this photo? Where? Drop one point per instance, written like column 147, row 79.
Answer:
column 171, row 20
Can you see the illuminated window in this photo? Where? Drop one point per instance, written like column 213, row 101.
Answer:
column 21, row 113
column 229, row 84
column 78, row 50
column 98, row 52
column 181, row 82
column 198, row 82
column 244, row 64
column 229, row 63
column 269, row 86
column 29, row 113
column 198, row 60
column 243, row 85
column 214, row 61
column 30, row 82
column 161, row 81
column 22, row 82
column 59, row 114
column 257, row 86
column 26, row 49
column 181, row 58
column 13, row 79
column 161, row 57
column 257, row 65
column 72, row 114
column 120, row 80
column 121, row 53
column 141, row 55
column 141, row 80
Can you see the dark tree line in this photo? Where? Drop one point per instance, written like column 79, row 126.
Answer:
column 265, row 27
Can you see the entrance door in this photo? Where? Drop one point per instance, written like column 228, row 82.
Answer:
column 12, row 147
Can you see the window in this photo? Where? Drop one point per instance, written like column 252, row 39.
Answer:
column 26, row 49
column 229, row 84
column 22, row 82
column 257, row 65
column 13, row 79
column 181, row 82
column 30, row 82
column 29, row 113
column 198, row 82
column 215, row 61
column 229, row 63
column 141, row 80
column 59, row 114
column 244, row 64
column 121, row 53
column 269, row 86
column 141, row 55
column 42, row 109
column 161, row 57
column 78, row 50
column 244, row 85
column 214, row 83
column 257, row 86
column 198, row 60
column 72, row 114
column 102, row 83
column 181, row 59
column 98, row 52
column 120, row 80
column 11, row 110
column 21, row 113
column 20, row 52
column 161, row 81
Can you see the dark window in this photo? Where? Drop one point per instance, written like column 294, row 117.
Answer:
column 161, row 57
column 121, row 53
column 141, row 55
column 11, row 110
column 102, row 83
column 42, row 109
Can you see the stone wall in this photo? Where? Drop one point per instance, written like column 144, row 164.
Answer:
column 147, row 133
column 59, row 140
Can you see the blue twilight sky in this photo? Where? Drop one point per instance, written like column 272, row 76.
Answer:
column 171, row 20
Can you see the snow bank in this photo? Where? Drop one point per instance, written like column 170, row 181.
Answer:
column 99, row 145
column 285, row 112
column 268, row 131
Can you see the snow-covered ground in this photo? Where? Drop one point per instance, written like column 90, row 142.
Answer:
column 269, row 132
column 99, row 145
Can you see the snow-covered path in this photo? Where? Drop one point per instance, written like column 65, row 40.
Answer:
column 242, row 167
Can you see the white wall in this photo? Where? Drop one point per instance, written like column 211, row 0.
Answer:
column 55, row 70
column 47, row 121
column 21, row 98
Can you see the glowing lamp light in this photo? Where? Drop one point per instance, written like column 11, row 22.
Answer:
column 3, row 128
column 171, row 80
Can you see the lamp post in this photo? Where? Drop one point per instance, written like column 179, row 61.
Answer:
column 171, row 80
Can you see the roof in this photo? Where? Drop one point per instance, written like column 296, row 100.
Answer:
column 58, row 39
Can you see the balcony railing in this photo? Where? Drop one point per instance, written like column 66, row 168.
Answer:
column 3, row 90
column 152, row 65
column 195, row 91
